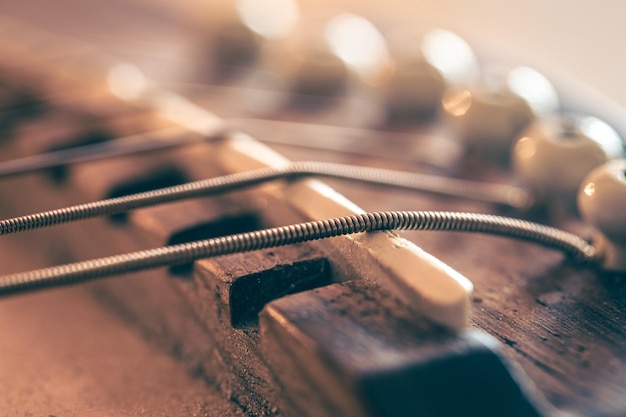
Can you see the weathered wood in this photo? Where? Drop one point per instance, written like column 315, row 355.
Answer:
column 63, row 354
column 350, row 350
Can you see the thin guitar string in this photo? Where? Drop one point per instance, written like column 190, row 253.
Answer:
column 493, row 193
column 176, row 137
column 570, row 244
column 573, row 246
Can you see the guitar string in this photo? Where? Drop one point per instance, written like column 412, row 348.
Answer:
column 573, row 246
column 492, row 193
column 127, row 145
column 570, row 244
column 179, row 136
column 422, row 148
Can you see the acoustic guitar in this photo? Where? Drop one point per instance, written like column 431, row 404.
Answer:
column 348, row 115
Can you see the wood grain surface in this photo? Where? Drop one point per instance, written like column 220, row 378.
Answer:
column 190, row 342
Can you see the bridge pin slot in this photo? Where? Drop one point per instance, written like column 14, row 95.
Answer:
column 250, row 293
column 157, row 177
column 226, row 225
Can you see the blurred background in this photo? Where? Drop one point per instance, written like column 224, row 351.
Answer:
column 574, row 39
column 579, row 39
column 573, row 43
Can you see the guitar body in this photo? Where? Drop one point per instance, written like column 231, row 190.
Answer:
column 317, row 329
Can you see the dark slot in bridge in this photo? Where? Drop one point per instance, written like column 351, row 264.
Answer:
column 250, row 293
column 227, row 225
column 165, row 176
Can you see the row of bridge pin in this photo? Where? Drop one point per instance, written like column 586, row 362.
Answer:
column 437, row 73
column 512, row 115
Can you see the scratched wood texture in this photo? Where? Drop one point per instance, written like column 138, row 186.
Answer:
column 67, row 353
